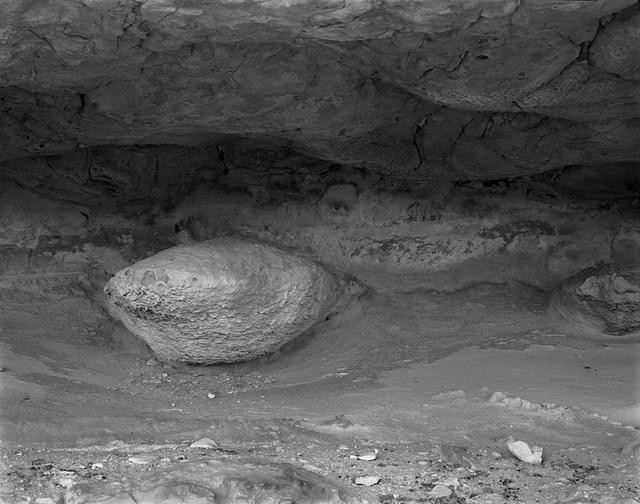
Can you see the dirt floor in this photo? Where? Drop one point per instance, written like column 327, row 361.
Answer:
column 430, row 386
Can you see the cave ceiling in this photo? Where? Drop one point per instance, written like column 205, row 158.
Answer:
column 447, row 89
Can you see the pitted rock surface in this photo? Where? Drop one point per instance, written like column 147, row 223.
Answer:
column 219, row 482
column 221, row 300
column 606, row 298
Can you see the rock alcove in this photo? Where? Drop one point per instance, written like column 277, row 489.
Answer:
column 366, row 213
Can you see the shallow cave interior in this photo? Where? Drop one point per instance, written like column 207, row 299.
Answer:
column 325, row 241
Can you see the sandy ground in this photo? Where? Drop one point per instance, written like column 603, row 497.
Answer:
column 433, row 384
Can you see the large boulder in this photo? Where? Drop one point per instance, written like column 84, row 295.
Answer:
column 605, row 298
column 222, row 300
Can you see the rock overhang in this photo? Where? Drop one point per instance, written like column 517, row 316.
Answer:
column 195, row 120
column 448, row 90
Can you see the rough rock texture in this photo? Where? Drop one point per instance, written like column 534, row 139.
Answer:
column 221, row 300
column 606, row 298
column 216, row 482
column 446, row 89
column 523, row 230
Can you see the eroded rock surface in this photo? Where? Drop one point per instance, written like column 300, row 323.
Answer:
column 449, row 89
column 219, row 482
column 221, row 300
column 606, row 298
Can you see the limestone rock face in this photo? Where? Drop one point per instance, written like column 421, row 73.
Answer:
column 606, row 298
column 221, row 300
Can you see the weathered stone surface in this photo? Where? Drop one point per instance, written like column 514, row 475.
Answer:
column 501, row 145
column 221, row 300
column 626, row 245
column 216, row 482
column 522, row 230
column 606, row 298
column 441, row 89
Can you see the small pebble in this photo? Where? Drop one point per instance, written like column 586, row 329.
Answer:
column 440, row 491
column 211, row 396
column 618, row 466
column 141, row 459
column 367, row 456
column 522, row 451
column 367, row 480
column 204, row 443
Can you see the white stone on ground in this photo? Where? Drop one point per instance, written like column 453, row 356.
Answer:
column 522, row 451
column 367, row 480
column 206, row 443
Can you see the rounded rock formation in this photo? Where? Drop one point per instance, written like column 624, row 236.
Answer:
column 605, row 298
column 222, row 300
